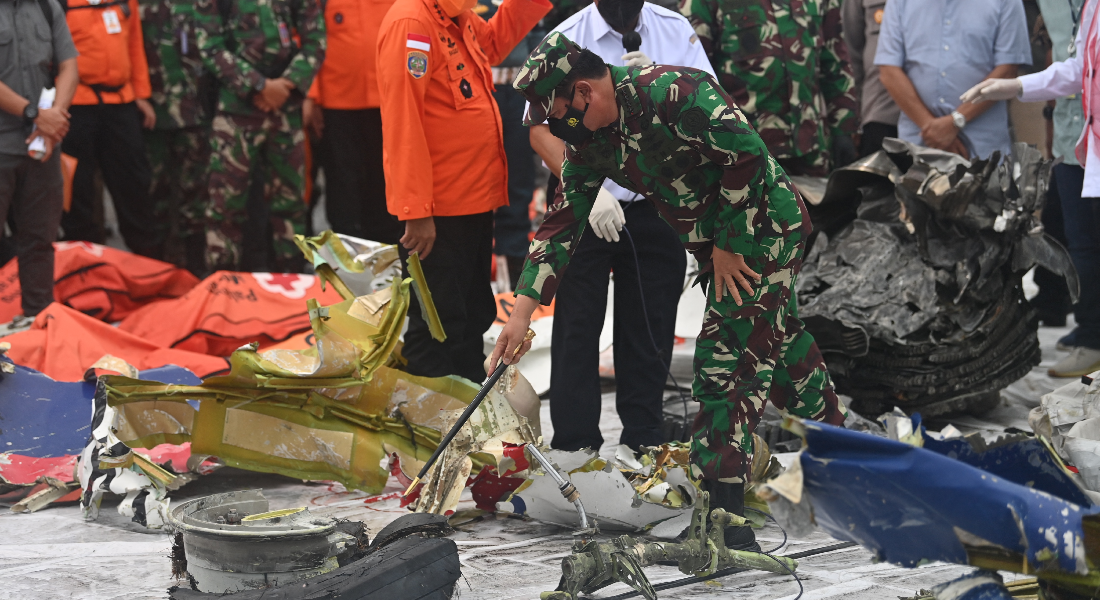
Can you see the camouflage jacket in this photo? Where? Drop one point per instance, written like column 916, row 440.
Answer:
column 786, row 65
column 176, row 74
column 256, row 40
column 683, row 144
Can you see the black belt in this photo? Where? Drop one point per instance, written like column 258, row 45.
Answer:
column 99, row 88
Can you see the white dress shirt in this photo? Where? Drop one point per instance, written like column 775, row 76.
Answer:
column 667, row 39
column 1062, row 79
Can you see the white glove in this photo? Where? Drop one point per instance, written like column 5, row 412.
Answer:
column 993, row 90
column 636, row 59
column 607, row 216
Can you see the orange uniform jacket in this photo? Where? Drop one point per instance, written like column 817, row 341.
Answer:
column 443, row 147
column 348, row 79
column 108, row 59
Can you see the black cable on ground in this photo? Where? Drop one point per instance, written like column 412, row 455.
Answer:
column 768, row 553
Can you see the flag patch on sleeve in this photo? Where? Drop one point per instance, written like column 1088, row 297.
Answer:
column 418, row 42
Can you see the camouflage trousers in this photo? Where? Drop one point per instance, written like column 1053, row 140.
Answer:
column 750, row 354
column 267, row 146
column 179, row 159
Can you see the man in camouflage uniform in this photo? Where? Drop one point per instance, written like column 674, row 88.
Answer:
column 179, row 143
column 264, row 55
column 672, row 135
column 785, row 63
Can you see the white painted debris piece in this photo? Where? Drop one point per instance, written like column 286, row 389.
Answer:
column 622, row 494
column 1069, row 418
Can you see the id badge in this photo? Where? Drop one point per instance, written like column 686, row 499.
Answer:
column 284, row 35
column 110, row 20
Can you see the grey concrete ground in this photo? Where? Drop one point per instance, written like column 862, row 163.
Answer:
column 55, row 554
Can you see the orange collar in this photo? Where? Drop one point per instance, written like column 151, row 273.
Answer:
column 441, row 17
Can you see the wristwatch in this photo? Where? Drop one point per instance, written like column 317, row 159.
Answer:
column 30, row 113
column 958, row 118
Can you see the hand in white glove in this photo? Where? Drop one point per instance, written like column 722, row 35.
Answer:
column 607, row 216
column 636, row 59
column 993, row 90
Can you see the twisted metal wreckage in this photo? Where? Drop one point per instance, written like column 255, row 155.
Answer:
column 913, row 287
column 942, row 248
column 336, row 411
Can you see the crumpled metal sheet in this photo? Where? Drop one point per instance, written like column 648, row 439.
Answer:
column 654, row 493
column 1010, row 506
column 913, row 286
column 1069, row 420
column 334, row 411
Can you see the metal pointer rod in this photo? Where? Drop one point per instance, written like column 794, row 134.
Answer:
column 485, row 387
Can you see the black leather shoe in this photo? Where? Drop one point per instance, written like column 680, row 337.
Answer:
column 731, row 498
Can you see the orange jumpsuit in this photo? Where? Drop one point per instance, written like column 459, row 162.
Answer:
column 441, row 131
column 105, row 131
column 112, row 52
column 348, row 78
column 443, row 154
column 350, row 149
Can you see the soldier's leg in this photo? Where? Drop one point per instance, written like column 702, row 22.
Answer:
column 165, row 163
column 193, row 149
column 157, row 148
column 801, row 384
column 735, row 355
column 284, row 166
column 234, row 140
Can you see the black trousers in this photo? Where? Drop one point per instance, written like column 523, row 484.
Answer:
column 873, row 134
column 513, row 221
column 459, row 273
column 640, row 373
column 33, row 192
column 350, row 152
column 1052, row 302
column 109, row 137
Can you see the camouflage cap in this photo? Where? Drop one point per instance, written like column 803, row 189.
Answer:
column 544, row 69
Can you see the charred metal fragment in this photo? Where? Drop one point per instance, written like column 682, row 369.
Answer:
column 916, row 299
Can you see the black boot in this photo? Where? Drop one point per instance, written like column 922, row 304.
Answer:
column 731, row 498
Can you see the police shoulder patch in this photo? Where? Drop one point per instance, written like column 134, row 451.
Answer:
column 694, row 121
column 417, row 64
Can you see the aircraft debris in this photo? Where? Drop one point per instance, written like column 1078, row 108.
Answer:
column 595, row 565
column 334, row 411
column 913, row 287
column 231, row 546
column 653, row 494
column 1069, row 419
column 1008, row 505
